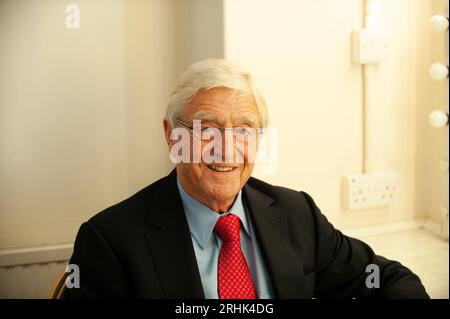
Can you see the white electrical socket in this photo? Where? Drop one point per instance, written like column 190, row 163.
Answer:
column 369, row 190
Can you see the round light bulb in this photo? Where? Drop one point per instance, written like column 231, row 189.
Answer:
column 439, row 23
column 439, row 71
column 438, row 119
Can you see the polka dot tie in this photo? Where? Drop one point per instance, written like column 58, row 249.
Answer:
column 234, row 278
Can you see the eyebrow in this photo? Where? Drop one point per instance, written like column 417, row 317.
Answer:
column 249, row 119
column 205, row 116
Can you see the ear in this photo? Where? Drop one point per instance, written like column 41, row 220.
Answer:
column 167, row 131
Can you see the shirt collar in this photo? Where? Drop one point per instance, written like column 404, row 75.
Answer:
column 201, row 219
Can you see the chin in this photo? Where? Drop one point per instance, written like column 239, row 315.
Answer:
column 223, row 192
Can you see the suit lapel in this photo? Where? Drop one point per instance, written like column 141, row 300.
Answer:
column 170, row 244
column 271, row 229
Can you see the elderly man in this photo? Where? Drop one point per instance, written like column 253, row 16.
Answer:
column 209, row 230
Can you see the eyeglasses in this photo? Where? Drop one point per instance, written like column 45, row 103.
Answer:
column 207, row 132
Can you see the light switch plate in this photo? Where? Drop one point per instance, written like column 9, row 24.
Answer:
column 369, row 46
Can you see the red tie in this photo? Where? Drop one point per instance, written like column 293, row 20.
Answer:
column 235, row 280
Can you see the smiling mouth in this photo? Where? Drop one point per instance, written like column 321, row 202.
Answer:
column 222, row 169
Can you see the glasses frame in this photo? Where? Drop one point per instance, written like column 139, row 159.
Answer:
column 190, row 127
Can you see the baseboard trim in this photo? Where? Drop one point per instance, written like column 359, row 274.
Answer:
column 432, row 226
column 35, row 255
column 381, row 229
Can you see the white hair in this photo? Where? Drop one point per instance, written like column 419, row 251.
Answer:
column 208, row 74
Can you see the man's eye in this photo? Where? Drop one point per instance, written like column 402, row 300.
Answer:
column 208, row 130
column 244, row 131
column 209, row 133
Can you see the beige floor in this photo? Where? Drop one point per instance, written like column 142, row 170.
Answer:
column 423, row 252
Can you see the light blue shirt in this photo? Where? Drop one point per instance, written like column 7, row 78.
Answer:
column 201, row 221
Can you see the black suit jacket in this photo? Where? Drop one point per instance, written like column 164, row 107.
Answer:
column 142, row 248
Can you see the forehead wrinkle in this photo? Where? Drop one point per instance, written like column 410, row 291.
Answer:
column 223, row 104
column 232, row 98
column 209, row 110
column 219, row 107
column 226, row 93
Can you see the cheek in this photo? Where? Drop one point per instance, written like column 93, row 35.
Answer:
column 245, row 173
column 247, row 150
column 247, row 169
column 193, row 171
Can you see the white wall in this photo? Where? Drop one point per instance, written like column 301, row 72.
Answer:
column 432, row 180
column 81, row 110
column 300, row 53
column 204, row 30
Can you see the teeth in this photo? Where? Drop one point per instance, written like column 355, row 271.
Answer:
column 220, row 168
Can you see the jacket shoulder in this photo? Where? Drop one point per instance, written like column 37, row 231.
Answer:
column 282, row 196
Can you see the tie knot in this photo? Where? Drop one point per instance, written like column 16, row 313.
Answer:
column 228, row 228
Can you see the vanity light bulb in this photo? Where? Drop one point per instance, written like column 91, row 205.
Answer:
column 439, row 23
